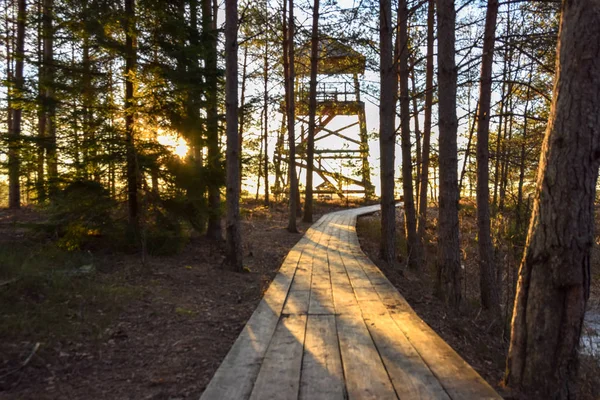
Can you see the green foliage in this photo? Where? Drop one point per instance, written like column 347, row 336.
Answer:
column 82, row 210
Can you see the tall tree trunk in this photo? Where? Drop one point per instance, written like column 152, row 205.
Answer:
column 312, row 114
column 130, row 69
column 522, row 157
column 507, row 61
column 415, row 251
column 387, row 131
column 266, row 122
column 50, row 111
column 233, row 233
column 469, row 141
column 242, row 113
column 14, row 157
column 427, row 122
column 448, row 284
column 418, row 150
column 288, row 56
column 40, row 183
column 554, row 277
column 213, row 230
column 490, row 296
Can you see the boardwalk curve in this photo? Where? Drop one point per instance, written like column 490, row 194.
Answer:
column 331, row 326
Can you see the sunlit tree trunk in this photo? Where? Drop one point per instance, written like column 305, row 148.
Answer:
column 490, row 296
column 554, row 277
column 448, row 283
column 415, row 251
column 233, row 234
column 312, row 111
column 387, row 140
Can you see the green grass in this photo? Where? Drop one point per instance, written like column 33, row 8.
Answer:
column 47, row 298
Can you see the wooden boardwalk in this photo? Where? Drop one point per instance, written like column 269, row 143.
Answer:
column 331, row 326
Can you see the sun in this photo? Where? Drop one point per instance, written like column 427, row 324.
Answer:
column 177, row 145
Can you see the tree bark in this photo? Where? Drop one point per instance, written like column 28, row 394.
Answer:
column 213, row 230
column 427, row 122
column 288, row 51
column 130, row 69
column 312, row 111
column 448, row 283
column 242, row 112
column 233, row 237
column 415, row 251
column 266, row 122
column 14, row 157
column 387, row 139
column 490, row 296
column 554, row 277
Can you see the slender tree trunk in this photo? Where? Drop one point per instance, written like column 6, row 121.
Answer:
column 490, row 296
column 554, row 277
column 312, row 111
column 468, row 149
column 50, row 111
column 449, row 277
column 233, row 234
column 387, row 139
column 14, row 152
column 130, row 70
column 242, row 113
column 288, row 55
column 40, row 184
column 266, row 122
column 427, row 122
column 418, row 150
column 519, row 208
column 213, row 230
column 415, row 251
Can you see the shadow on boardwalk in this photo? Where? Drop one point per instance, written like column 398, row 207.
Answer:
column 331, row 326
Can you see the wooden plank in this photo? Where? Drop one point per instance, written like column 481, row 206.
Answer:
column 457, row 377
column 236, row 375
column 299, row 296
column 366, row 377
column 321, row 300
column 411, row 377
column 297, row 302
column 322, row 375
column 279, row 376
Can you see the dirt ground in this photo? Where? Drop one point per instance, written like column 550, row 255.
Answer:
column 167, row 342
column 169, row 337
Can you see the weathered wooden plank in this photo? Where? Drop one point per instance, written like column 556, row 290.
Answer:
column 236, row 375
column 457, row 377
column 279, row 376
column 322, row 375
column 297, row 302
column 366, row 377
column 411, row 377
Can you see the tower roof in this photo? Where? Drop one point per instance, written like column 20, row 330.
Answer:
column 335, row 58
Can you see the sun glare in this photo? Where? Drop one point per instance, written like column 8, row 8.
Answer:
column 177, row 145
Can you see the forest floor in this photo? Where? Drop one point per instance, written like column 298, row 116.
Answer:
column 132, row 330
column 480, row 340
column 120, row 327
